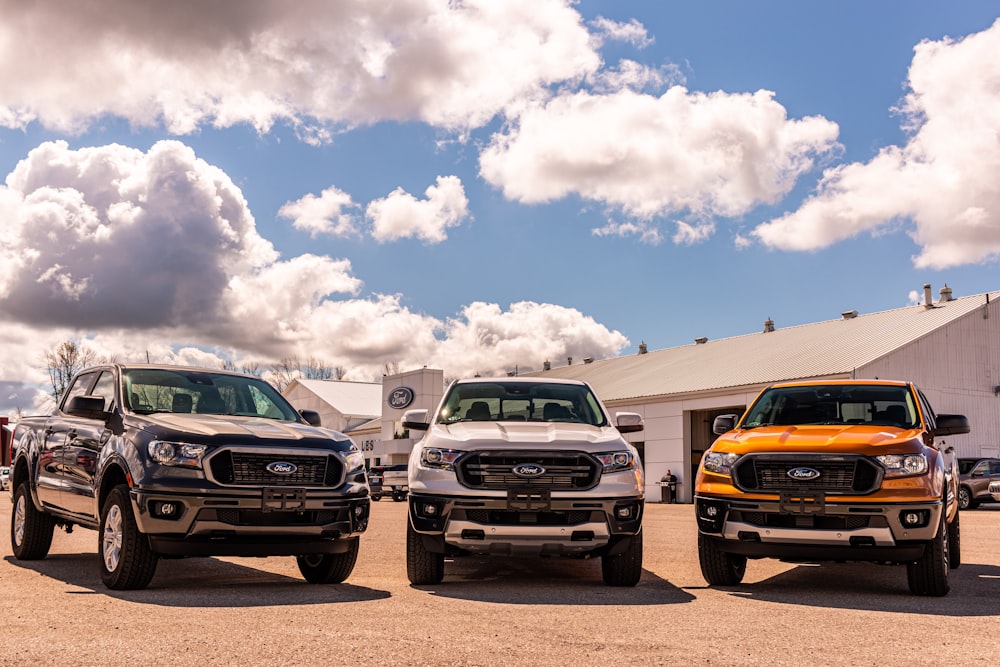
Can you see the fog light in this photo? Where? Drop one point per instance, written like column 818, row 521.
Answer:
column 624, row 512
column 914, row 518
column 168, row 509
column 711, row 511
column 359, row 510
column 429, row 510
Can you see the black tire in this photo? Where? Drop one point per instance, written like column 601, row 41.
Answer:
column 965, row 500
column 30, row 529
column 376, row 498
column 955, row 543
column 423, row 567
column 929, row 575
column 625, row 568
column 399, row 497
column 329, row 568
column 718, row 567
column 127, row 561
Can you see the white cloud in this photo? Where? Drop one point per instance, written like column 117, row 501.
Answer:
column 942, row 185
column 156, row 255
column 487, row 340
column 310, row 63
column 632, row 32
column 646, row 230
column 327, row 214
column 713, row 154
column 400, row 215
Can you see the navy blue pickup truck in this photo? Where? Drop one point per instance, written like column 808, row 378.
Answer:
column 173, row 461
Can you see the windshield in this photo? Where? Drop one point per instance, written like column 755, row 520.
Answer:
column 879, row 405
column 203, row 392
column 521, row 401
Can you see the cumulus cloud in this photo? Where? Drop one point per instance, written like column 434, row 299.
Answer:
column 401, row 215
column 330, row 213
column 633, row 32
column 309, row 63
column 941, row 186
column 712, row 154
column 155, row 255
column 486, row 339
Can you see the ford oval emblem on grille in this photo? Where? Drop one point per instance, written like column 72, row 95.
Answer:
column 528, row 470
column 282, row 468
column 804, row 474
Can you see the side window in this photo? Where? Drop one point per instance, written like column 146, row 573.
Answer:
column 105, row 387
column 982, row 468
column 995, row 467
column 80, row 387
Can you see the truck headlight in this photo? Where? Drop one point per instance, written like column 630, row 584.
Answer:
column 719, row 462
column 903, row 465
column 354, row 461
column 443, row 459
column 616, row 461
column 176, row 453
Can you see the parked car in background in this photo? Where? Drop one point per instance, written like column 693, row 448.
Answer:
column 974, row 476
column 4, row 478
column 388, row 481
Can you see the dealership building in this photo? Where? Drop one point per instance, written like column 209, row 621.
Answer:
column 949, row 347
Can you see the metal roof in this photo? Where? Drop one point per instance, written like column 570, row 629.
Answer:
column 357, row 399
column 823, row 349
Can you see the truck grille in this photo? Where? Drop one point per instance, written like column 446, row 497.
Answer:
column 517, row 518
column 570, row 471
column 250, row 468
column 844, row 475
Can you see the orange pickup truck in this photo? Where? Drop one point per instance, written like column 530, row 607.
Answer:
column 834, row 470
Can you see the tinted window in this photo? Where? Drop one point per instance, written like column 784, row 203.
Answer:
column 521, row 401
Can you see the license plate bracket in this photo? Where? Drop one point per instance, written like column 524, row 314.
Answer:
column 526, row 498
column 802, row 503
column 277, row 499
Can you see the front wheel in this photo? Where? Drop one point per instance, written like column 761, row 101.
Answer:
column 929, row 574
column 625, row 568
column 127, row 561
column 329, row 568
column 718, row 567
column 422, row 566
column 965, row 501
column 30, row 530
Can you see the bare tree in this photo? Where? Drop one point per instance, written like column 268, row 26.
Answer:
column 292, row 368
column 65, row 361
column 392, row 368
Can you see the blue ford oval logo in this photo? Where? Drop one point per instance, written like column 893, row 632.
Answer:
column 804, row 474
column 400, row 398
column 528, row 470
column 282, row 468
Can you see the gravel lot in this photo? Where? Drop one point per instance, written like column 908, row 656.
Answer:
column 498, row 611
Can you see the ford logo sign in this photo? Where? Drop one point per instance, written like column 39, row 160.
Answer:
column 282, row 468
column 804, row 474
column 528, row 470
column 400, row 398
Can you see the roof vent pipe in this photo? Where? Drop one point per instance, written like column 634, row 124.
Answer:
column 700, row 341
column 642, row 348
column 569, row 361
column 588, row 360
column 849, row 314
column 546, row 366
column 927, row 296
column 768, row 325
column 945, row 294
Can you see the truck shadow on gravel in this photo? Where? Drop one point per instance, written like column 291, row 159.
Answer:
column 526, row 580
column 975, row 589
column 200, row 583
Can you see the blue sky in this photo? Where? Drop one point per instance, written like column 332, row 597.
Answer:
column 479, row 186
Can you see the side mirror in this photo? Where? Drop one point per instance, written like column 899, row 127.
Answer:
column 951, row 425
column 629, row 422
column 88, row 407
column 312, row 417
column 416, row 420
column 724, row 424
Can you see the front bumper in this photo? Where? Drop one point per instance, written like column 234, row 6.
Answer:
column 814, row 528
column 274, row 521
column 520, row 525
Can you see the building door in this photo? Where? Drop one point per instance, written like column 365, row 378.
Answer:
column 702, row 437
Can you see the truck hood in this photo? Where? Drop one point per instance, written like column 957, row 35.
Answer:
column 472, row 436
column 239, row 430
column 840, row 438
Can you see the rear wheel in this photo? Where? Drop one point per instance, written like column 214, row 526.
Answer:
column 718, row 567
column 929, row 574
column 127, row 561
column 422, row 566
column 965, row 500
column 624, row 569
column 329, row 568
column 30, row 530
